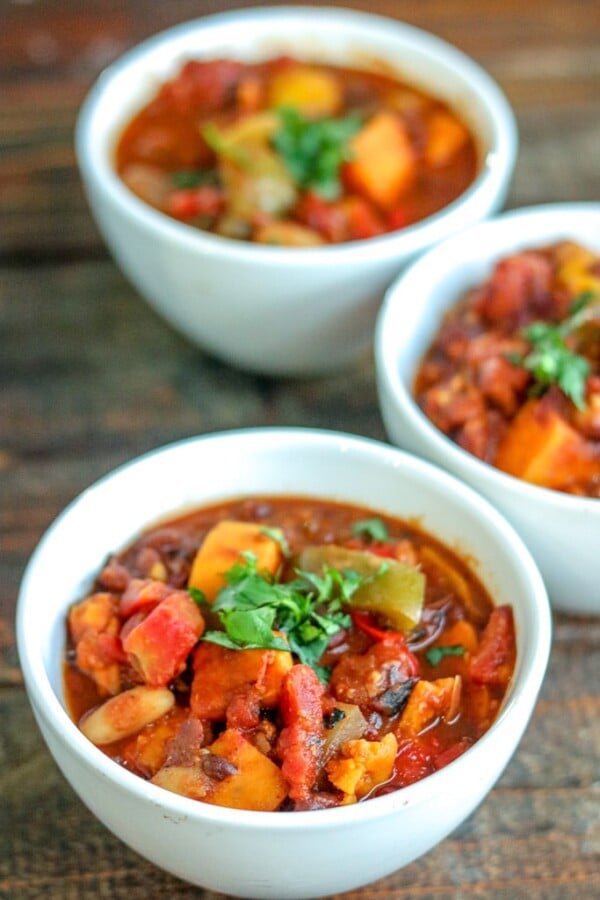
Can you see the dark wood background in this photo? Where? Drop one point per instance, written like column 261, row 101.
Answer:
column 90, row 377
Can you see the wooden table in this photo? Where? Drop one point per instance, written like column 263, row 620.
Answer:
column 90, row 377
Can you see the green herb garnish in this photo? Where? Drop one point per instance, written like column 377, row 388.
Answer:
column 258, row 612
column 192, row 178
column 436, row 654
column 277, row 535
column 314, row 150
column 373, row 529
column 551, row 361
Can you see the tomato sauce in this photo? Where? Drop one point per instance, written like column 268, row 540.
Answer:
column 151, row 675
column 283, row 152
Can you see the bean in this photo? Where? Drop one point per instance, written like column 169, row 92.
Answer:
column 123, row 715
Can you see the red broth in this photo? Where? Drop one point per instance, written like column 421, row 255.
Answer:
column 513, row 375
column 282, row 152
column 345, row 700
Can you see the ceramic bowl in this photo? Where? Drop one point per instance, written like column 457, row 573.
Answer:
column 277, row 310
column 562, row 531
column 263, row 854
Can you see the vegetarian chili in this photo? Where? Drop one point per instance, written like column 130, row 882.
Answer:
column 286, row 654
column 513, row 375
column 288, row 153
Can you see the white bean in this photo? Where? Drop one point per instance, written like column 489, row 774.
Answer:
column 123, row 715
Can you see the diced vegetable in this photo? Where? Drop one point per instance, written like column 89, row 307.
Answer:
column 541, row 447
column 446, row 135
column 231, row 772
column 94, row 627
column 383, row 164
column 125, row 714
column 301, row 738
column 350, row 725
column 220, row 674
column 258, row 783
column 159, row 646
column 396, row 591
column 147, row 751
column 494, row 662
column 307, row 88
column 222, row 548
column 363, row 765
column 287, row 234
column 428, row 701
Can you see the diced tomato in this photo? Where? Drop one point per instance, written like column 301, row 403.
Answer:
column 206, row 200
column 397, row 218
column 363, row 219
column 451, row 753
column 414, row 760
column 142, row 594
column 159, row 646
column 329, row 219
column 494, row 661
column 202, row 87
column 300, row 739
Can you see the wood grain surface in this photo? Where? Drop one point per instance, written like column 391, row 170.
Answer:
column 90, row 377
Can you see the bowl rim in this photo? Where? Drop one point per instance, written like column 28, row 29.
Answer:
column 518, row 705
column 496, row 166
column 387, row 362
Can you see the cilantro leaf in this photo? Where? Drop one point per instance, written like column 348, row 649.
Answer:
column 301, row 615
column 314, row 150
column 374, row 529
column 192, row 178
column 551, row 360
column 436, row 654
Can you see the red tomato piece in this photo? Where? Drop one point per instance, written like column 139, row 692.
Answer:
column 206, row 200
column 142, row 594
column 494, row 661
column 300, row 739
column 159, row 646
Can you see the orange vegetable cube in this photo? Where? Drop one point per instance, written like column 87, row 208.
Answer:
column 541, row 447
column 222, row 548
column 313, row 91
column 363, row 765
column 430, row 700
column 383, row 160
column 221, row 674
column 258, row 783
column 445, row 137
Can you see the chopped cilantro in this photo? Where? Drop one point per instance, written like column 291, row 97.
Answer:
column 314, row 150
column 277, row 535
column 257, row 611
column 436, row 654
column 192, row 178
column 550, row 359
column 374, row 529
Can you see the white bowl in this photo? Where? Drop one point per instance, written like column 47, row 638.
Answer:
column 261, row 854
column 278, row 310
column 562, row 531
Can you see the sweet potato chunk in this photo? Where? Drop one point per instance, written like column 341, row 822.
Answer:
column 430, row 700
column 221, row 674
column 258, row 783
column 445, row 137
column 222, row 548
column 541, row 447
column 311, row 90
column 383, row 161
